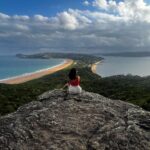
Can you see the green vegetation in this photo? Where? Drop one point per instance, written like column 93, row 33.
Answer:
column 129, row 88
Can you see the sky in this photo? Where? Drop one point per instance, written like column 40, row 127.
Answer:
column 86, row 26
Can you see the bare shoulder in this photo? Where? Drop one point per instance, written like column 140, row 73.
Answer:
column 78, row 77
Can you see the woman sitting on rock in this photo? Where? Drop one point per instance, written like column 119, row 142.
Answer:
column 74, row 83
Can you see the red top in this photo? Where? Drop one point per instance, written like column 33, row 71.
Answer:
column 74, row 82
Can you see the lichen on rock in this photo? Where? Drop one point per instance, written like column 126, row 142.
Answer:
column 88, row 121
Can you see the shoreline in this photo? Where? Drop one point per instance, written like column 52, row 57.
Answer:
column 37, row 74
column 94, row 66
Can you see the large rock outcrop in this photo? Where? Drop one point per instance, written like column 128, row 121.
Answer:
column 88, row 121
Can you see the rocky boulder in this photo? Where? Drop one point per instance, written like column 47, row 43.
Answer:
column 89, row 121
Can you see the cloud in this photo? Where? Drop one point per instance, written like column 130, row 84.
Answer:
column 86, row 3
column 101, row 4
column 131, row 9
column 21, row 27
column 24, row 17
column 122, row 26
column 40, row 18
column 4, row 16
column 136, row 10
column 67, row 20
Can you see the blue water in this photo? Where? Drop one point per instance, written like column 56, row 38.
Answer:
column 11, row 66
column 123, row 66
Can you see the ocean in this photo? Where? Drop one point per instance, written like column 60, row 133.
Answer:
column 112, row 65
column 12, row 66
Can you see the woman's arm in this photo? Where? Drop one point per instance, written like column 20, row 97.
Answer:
column 65, row 85
column 78, row 78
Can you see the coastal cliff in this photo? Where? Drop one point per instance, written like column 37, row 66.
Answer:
column 87, row 121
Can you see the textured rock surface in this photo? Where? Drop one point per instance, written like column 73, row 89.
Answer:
column 88, row 121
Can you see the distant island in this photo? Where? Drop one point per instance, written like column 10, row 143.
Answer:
column 127, row 54
column 84, row 58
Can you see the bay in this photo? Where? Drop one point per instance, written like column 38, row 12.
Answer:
column 123, row 66
column 12, row 66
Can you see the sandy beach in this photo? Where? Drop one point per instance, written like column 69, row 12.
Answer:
column 93, row 67
column 35, row 75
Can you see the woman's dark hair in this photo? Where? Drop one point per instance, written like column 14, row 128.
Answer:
column 72, row 74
